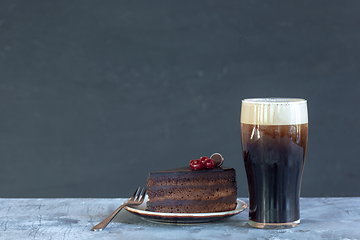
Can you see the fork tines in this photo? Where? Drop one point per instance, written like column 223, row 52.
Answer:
column 139, row 194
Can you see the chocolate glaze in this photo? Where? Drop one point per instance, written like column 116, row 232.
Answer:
column 189, row 169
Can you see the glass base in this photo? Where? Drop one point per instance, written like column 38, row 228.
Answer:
column 273, row 225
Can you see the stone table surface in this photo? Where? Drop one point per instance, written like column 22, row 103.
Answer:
column 64, row 218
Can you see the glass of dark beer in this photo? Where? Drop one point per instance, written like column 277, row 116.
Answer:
column 274, row 133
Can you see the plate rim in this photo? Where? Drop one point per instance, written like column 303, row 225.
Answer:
column 145, row 213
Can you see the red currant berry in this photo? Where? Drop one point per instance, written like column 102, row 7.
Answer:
column 196, row 164
column 203, row 159
column 209, row 163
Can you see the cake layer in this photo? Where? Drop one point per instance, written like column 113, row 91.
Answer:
column 190, row 181
column 186, row 192
column 182, row 175
column 219, row 207
column 191, row 206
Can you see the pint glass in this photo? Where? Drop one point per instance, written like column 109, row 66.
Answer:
column 274, row 139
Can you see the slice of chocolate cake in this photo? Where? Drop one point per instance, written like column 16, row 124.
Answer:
column 185, row 190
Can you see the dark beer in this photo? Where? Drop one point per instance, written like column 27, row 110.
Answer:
column 274, row 161
column 274, row 140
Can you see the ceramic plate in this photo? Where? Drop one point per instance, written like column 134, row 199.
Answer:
column 185, row 217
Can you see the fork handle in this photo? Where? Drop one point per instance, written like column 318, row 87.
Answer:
column 107, row 220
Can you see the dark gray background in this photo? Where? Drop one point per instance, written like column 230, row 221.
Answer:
column 96, row 94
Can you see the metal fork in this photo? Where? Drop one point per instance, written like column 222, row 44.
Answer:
column 136, row 199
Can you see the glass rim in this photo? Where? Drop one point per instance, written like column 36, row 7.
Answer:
column 275, row 101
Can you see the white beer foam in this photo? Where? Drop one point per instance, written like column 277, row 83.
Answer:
column 274, row 111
